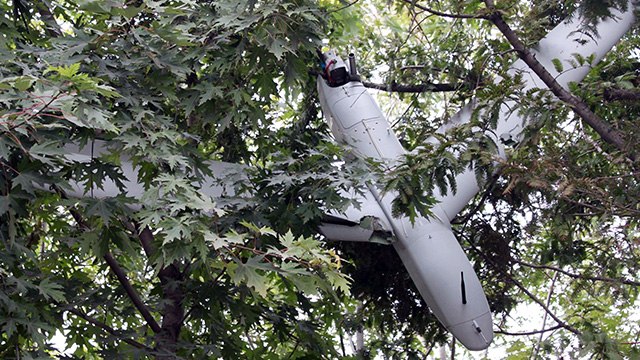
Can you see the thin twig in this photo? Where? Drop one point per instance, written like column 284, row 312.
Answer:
column 419, row 88
column 306, row 264
column 546, row 308
column 480, row 203
column 578, row 276
column 525, row 291
column 107, row 328
column 343, row 7
column 503, row 332
column 404, row 88
column 438, row 13
column 544, row 318
column 294, row 350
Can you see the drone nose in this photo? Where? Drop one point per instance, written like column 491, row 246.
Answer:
column 475, row 334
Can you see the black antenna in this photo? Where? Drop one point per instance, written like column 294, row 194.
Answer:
column 352, row 65
column 463, row 288
column 353, row 72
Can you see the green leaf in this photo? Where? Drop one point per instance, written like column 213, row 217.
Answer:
column 65, row 71
column 23, row 83
column 278, row 47
column 102, row 208
column 129, row 11
column 309, row 211
column 106, row 90
column 46, row 151
column 21, row 284
column 248, row 273
column 287, row 240
column 250, row 226
column 26, row 179
column 9, row 326
column 51, row 290
column 216, row 241
column 306, row 284
column 174, row 230
column 557, row 64
column 339, row 281
column 208, row 92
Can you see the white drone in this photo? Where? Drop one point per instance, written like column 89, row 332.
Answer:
column 428, row 248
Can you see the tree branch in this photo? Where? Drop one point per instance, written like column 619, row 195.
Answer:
column 612, row 94
column 577, row 276
column 343, row 7
column 146, row 240
column 124, row 281
column 131, row 292
column 173, row 317
column 401, row 88
column 529, row 332
column 438, row 13
column 525, row 291
column 107, row 328
column 463, row 220
column 546, row 308
column 546, row 315
column 415, row 67
column 171, row 278
column 579, row 107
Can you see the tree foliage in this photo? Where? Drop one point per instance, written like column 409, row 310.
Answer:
column 172, row 85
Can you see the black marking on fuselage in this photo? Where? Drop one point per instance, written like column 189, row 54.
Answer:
column 463, row 288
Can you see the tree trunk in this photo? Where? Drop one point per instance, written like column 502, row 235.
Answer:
column 171, row 279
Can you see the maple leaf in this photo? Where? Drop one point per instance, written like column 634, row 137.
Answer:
column 51, row 290
column 215, row 240
column 248, row 273
column 103, row 208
